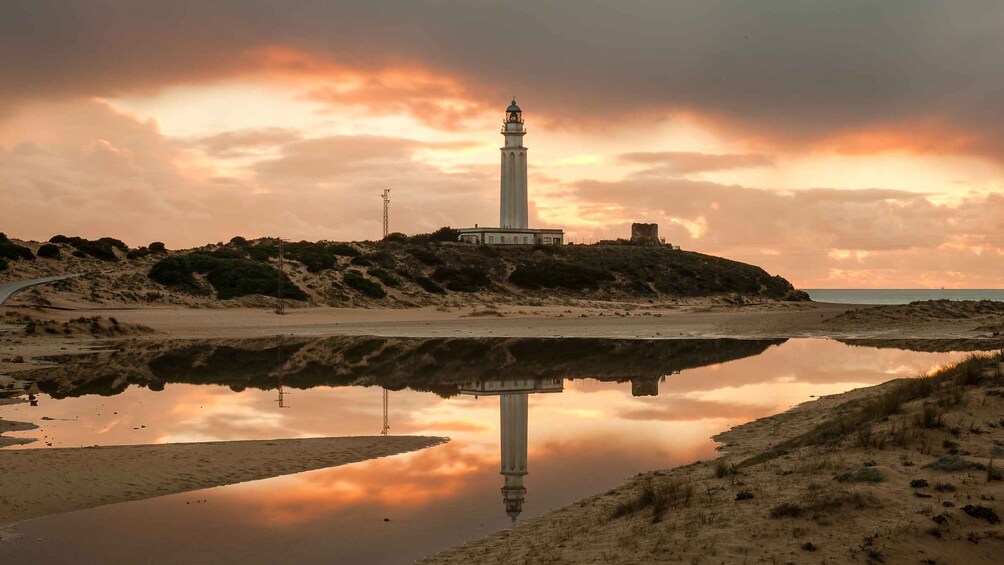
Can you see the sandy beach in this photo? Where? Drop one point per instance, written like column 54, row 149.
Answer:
column 51, row 481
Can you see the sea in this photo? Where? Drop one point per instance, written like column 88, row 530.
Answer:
column 901, row 296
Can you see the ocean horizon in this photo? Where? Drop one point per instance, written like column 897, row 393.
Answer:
column 899, row 295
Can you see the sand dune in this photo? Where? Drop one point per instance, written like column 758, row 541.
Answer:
column 52, row 481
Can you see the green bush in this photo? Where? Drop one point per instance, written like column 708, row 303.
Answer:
column 461, row 279
column 558, row 274
column 138, row 253
column 429, row 286
column 425, row 256
column 356, row 281
column 231, row 278
column 49, row 251
column 11, row 250
column 102, row 248
column 385, row 277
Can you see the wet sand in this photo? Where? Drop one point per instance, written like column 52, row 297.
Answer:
column 41, row 482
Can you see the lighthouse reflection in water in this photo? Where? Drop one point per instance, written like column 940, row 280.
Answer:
column 513, row 395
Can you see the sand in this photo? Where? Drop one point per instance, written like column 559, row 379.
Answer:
column 838, row 521
column 51, row 481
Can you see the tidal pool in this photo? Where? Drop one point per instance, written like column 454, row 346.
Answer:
column 579, row 418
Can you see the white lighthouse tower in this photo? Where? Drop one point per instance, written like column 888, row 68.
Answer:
column 514, row 217
column 513, row 208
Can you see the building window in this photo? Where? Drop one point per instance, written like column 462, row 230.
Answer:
column 547, row 240
column 502, row 239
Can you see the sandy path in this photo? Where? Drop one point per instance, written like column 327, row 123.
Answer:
column 52, row 481
column 8, row 289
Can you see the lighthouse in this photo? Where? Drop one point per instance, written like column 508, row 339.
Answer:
column 514, row 215
column 513, row 206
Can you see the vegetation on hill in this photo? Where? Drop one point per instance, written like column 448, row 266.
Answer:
column 49, row 251
column 13, row 251
column 230, row 276
column 424, row 269
column 103, row 248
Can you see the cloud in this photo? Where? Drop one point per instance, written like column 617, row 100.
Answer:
column 902, row 238
column 101, row 172
column 781, row 73
column 664, row 163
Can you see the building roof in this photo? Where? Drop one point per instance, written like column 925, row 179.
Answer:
column 513, row 107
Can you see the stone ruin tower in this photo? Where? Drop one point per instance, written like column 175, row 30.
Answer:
column 645, row 234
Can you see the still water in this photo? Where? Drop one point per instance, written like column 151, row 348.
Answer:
column 901, row 296
column 585, row 431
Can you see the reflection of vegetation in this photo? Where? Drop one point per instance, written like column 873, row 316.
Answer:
column 437, row 365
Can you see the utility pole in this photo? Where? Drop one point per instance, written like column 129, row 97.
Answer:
column 386, row 209
column 281, row 307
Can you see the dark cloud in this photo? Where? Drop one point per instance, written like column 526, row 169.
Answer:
column 919, row 75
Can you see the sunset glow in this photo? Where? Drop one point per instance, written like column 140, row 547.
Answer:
column 190, row 124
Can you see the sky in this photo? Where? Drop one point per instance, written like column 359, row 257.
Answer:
column 848, row 144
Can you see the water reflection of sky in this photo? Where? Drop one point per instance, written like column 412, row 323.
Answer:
column 583, row 440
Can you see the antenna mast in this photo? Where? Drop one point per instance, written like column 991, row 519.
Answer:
column 386, row 208
column 281, row 306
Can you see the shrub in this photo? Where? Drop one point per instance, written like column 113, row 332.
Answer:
column 102, row 248
column 918, row 483
column 361, row 261
column 157, row 247
column 3, row 264
column 49, row 251
column 557, row 274
column 238, row 241
column 366, row 287
column 461, row 279
column 655, row 495
column 953, row 463
column 429, row 286
column 786, row 510
column 138, row 253
column 385, row 277
column 862, row 475
column 426, row 257
column 231, row 278
column 11, row 250
column 396, row 237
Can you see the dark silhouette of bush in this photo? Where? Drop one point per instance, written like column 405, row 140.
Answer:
column 230, row 277
column 3, row 264
column 396, row 237
column 11, row 250
column 356, row 281
column 102, row 248
column 461, row 279
column 49, row 251
column 429, row 286
column 228, row 253
column 361, row 261
column 557, row 274
column 78, row 254
column 385, row 277
column 238, row 241
column 426, row 256
column 138, row 253
column 157, row 247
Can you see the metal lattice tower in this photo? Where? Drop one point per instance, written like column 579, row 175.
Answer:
column 280, row 308
column 386, row 425
column 386, row 209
